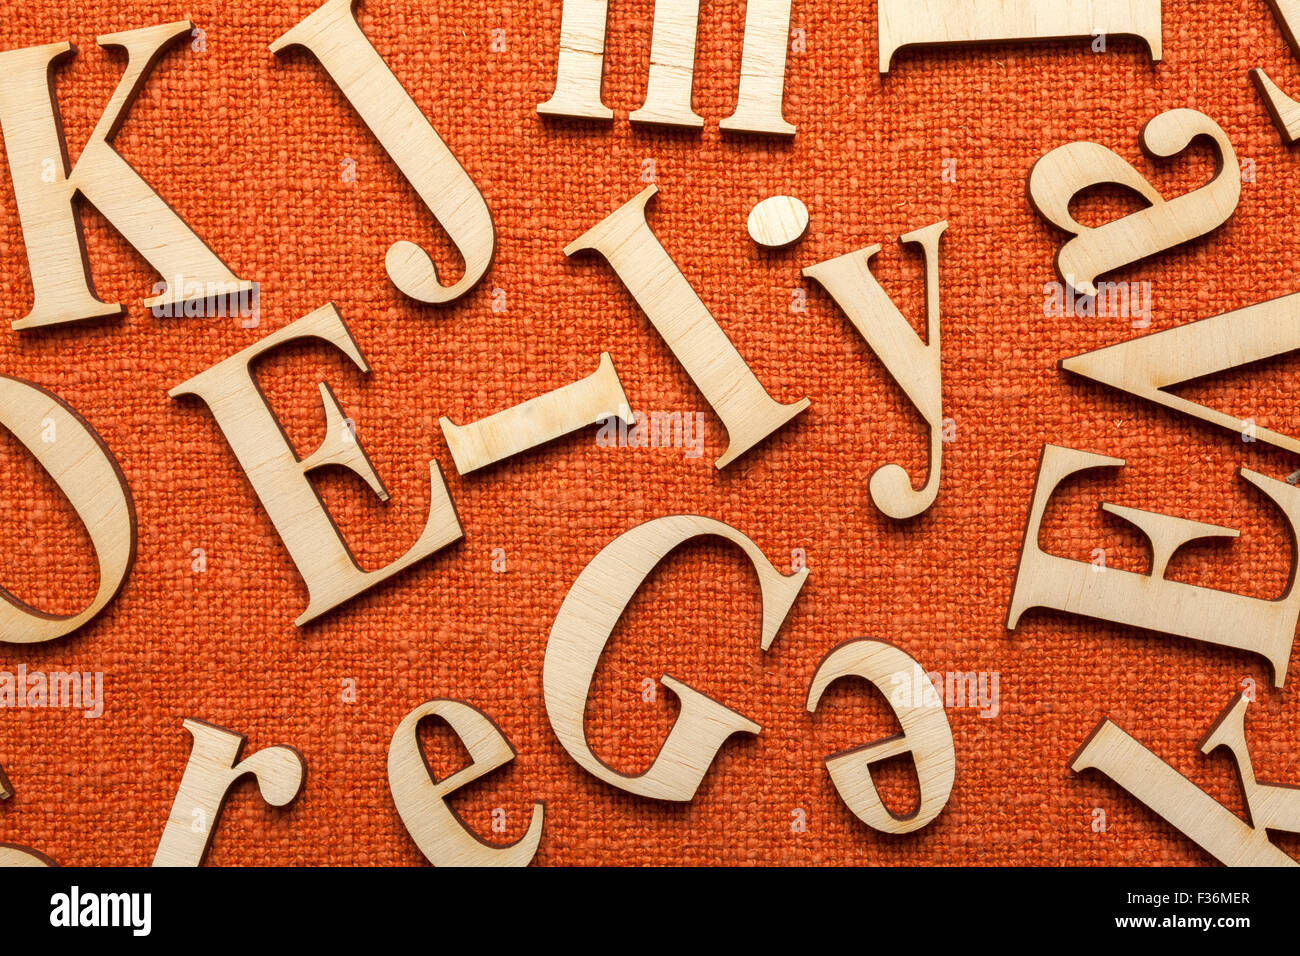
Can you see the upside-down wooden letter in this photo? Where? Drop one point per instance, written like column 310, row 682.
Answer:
column 46, row 192
column 1061, row 175
column 747, row 411
column 584, row 623
column 333, row 35
column 281, row 480
column 594, row 399
column 1196, row 814
column 672, row 66
column 762, row 70
column 1148, row 366
column 926, row 736
column 88, row 475
column 212, row 769
column 1270, row 806
column 924, row 22
column 1150, row 600
column 437, row 829
column 581, row 66
column 914, row 364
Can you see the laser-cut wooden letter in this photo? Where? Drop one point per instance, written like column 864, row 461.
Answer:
column 587, row 401
column 1284, row 110
column 1196, row 814
column 212, row 769
column 1149, row 600
column 762, row 70
column 437, row 829
column 281, row 479
column 914, row 364
column 12, row 854
column 584, row 623
column 1149, row 365
column 581, row 64
column 926, row 22
column 926, row 736
column 1061, row 175
column 46, row 192
column 333, row 35
column 672, row 66
column 747, row 411
column 88, row 475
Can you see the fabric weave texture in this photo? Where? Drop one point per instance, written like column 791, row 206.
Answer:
column 251, row 149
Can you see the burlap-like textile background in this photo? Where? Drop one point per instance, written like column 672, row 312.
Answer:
column 251, row 150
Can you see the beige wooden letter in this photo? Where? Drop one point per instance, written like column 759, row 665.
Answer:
column 88, row 475
column 914, row 364
column 1269, row 806
column 916, row 22
column 747, row 411
column 333, row 35
column 1148, row 366
column 280, row 478
column 1186, row 806
column 211, row 771
column 1061, row 175
column 1284, row 110
column 926, row 736
column 437, row 829
column 1150, row 600
column 672, row 66
column 762, row 70
column 588, row 401
column 13, row 855
column 45, row 191
column 581, row 64
column 584, row 623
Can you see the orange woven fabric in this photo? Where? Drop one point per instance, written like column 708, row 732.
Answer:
column 250, row 148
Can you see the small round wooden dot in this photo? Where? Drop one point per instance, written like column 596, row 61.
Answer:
column 778, row 221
